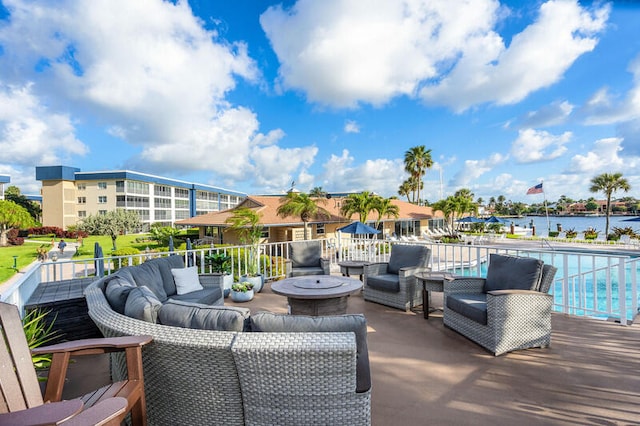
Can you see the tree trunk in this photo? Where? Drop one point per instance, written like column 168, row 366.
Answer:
column 306, row 230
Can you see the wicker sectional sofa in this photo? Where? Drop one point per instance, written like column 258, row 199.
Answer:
column 288, row 370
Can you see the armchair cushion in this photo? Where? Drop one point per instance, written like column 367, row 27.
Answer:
column 307, row 270
column 305, row 253
column 471, row 305
column 186, row 280
column 142, row 304
column 203, row 317
column 116, row 291
column 357, row 323
column 148, row 275
column 403, row 255
column 384, row 282
column 165, row 265
column 510, row 272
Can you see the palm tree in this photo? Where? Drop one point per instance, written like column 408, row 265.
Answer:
column 384, row 207
column 302, row 205
column 609, row 183
column 246, row 223
column 361, row 204
column 405, row 190
column 317, row 192
column 447, row 207
column 416, row 162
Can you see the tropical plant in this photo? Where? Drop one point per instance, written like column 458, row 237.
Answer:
column 12, row 216
column 302, row 205
column 162, row 234
column 361, row 204
column 220, row 262
column 243, row 287
column 12, row 193
column 405, row 190
column 571, row 233
column 317, row 192
column 385, row 208
column 625, row 231
column 609, row 183
column 246, row 223
column 417, row 160
column 112, row 223
column 38, row 332
column 591, row 234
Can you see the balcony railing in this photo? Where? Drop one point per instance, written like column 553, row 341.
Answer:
column 587, row 283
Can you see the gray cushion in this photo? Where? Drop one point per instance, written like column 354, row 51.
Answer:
column 307, row 270
column 206, row 296
column 165, row 265
column 305, row 253
column 148, row 274
column 511, row 272
column 194, row 315
column 403, row 256
column 357, row 323
column 472, row 305
column 116, row 291
column 384, row 282
column 142, row 304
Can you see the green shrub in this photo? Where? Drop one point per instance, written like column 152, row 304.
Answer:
column 553, row 234
column 126, row 261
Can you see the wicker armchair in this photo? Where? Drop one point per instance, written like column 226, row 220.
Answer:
column 501, row 320
column 394, row 283
column 305, row 258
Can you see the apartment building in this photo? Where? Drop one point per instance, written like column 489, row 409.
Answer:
column 3, row 180
column 69, row 195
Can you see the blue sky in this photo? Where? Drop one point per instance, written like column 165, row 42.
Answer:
column 252, row 95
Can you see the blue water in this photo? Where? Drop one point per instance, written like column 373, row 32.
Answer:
column 585, row 296
column 578, row 223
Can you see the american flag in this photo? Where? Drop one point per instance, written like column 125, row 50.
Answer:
column 535, row 189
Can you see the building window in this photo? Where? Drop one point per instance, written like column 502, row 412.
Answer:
column 134, row 187
column 82, row 214
column 81, row 186
column 102, row 185
column 181, row 193
column 162, row 190
column 265, row 232
column 119, row 186
column 102, row 199
column 102, row 212
column 162, row 203
column 320, row 229
column 82, row 200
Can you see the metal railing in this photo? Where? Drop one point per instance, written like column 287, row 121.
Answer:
column 587, row 283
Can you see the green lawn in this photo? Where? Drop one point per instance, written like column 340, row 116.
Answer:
column 27, row 253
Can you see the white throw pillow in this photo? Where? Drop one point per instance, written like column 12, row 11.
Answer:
column 186, row 279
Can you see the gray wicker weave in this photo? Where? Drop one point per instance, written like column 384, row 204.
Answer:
column 409, row 294
column 516, row 319
column 300, row 379
column 191, row 376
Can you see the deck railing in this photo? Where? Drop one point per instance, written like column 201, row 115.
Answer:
column 587, row 283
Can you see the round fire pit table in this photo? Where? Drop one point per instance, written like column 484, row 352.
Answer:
column 317, row 294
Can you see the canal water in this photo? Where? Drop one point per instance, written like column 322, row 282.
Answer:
column 577, row 223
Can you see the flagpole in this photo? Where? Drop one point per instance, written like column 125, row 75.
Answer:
column 546, row 208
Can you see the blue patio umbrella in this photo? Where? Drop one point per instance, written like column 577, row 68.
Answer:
column 495, row 219
column 358, row 228
column 633, row 219
column 98, row 262
column 189, row 254
column 171, row 248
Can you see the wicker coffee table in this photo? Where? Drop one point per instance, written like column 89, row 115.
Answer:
column 317, row 294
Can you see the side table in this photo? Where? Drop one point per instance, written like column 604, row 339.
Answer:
column 352, row 267
column 432, row 281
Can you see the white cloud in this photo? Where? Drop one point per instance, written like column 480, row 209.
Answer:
column 549, row 115
column 473, row 169
column 351, row 126
column 538, row 145
column 343, row 53
column 606, row 108
column 379, row 175
column 30, row 133
column 147, row 70
column 603, row 157
column 276, row 167
column 487, row 71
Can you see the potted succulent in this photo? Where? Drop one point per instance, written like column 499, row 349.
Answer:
column 221, row 264
column 242, row 291
column 246, row 223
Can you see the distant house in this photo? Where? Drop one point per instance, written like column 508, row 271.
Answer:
column 413, row 220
